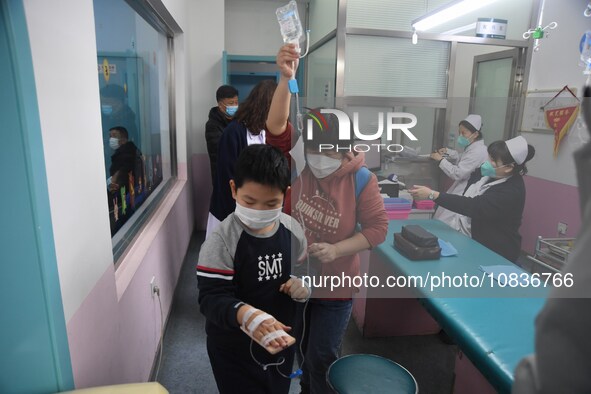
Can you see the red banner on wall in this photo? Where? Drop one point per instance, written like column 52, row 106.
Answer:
column 560, row 120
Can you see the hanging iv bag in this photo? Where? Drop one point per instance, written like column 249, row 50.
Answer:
column 289, row 23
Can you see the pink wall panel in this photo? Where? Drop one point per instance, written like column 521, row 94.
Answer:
column 114, row 341
column 546, row 204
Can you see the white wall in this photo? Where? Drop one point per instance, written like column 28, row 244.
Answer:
column 206, row 32
column 251, row 26
column 553, row 66
column 69, row 112
column 180, row 10
column 113, row 322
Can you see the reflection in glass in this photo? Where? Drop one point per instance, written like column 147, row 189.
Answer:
column 132, row 59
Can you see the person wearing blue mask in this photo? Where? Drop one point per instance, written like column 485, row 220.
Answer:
column 115, row 112
column 459, row 166
column 494, row 199
column 219, row 117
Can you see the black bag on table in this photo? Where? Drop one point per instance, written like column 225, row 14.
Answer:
column 414, row 252
column 418, row 236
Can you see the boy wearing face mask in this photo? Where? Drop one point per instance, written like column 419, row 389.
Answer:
column 459, row 166
column 219, row 117
column 328, row 204
column 245, row 278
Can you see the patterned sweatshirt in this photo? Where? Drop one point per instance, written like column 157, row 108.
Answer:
column 329, row 212
column 238, row 266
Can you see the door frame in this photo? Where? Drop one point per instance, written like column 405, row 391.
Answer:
column 227, row 59
column 515, row 86
column 13, row 17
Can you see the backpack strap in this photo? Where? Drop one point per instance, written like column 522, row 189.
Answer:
column 362, row 177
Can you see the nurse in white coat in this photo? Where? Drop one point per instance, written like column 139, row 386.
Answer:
column 459, row 166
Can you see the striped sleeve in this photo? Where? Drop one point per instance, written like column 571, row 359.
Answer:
column 215, row 274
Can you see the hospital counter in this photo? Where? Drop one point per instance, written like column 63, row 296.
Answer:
column 493, row 326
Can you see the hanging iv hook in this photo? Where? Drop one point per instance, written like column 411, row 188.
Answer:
column 538, row 32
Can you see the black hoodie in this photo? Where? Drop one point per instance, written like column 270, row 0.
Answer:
column 123, row 161
column 213, row 131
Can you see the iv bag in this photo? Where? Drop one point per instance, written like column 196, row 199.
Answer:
column 289, row 23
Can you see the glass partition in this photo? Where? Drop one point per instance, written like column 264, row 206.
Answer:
column 321, row 75
column 398, row 15
column 133, row 74
column 323, row 18
column 394, row 67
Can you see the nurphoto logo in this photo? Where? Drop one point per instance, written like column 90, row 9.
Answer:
column 391, row 119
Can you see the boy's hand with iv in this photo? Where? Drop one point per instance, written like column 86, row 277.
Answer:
column 288, row 59
column 296, row 289
column 247, row 315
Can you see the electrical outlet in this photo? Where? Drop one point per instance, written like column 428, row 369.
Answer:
column 153, row 286
column 562, row 227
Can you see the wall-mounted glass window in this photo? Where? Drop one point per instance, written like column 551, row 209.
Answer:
column 394, row 67
column 321, row 68
column 388, row 14
column 398, row 15
column 323, row 18
column 133, row 57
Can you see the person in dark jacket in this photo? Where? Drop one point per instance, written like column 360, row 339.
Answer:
column 219, row 117
column 123, row 161
column 261, row 119
column 115, row 112
column 494, row 197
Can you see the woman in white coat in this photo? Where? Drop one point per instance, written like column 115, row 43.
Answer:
column 459, row 166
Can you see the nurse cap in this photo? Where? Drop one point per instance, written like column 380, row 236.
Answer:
column 518, row 148
column 474, row 120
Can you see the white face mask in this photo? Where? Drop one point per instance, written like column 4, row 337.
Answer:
column 322, row 166
column 114, row 143
column 256, row 218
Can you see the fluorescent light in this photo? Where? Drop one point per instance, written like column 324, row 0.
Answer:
column 447, row 12
column 459, row 29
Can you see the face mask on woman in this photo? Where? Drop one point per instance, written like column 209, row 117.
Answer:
column 487, row 169
column 463, row 141
column 322, row 166
column 256, row 218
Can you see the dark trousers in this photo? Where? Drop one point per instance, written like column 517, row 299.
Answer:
column 326, row 323
column 235, row 370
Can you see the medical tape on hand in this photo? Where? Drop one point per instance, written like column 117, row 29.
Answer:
column 247, row 315
column 271, row 336
column 256, row 322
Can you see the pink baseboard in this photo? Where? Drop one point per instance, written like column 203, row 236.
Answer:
column 93, row 336
column 202, row 188
column 546, row 204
